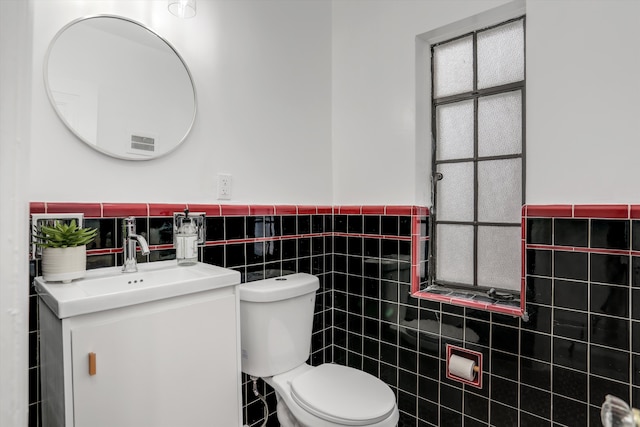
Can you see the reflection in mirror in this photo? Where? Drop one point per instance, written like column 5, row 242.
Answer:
column 120, row 87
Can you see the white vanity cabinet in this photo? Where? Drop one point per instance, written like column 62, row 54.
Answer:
column 171, row 361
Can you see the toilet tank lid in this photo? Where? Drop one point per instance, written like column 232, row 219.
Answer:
column 279, row 288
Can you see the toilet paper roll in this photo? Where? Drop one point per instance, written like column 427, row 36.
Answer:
column 462, row 367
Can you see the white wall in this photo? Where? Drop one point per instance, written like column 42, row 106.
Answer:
column 583, row 64
column 377, row 158
column 583, row 114
column 262, row 71
column 15, row 40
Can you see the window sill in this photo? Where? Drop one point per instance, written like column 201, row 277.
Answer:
column 473, row 300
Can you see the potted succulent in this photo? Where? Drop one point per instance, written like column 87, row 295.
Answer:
column 64, row 250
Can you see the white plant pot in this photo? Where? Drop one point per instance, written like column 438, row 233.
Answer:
column 64, row 264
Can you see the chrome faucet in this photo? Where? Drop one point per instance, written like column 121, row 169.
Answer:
column 129, row 239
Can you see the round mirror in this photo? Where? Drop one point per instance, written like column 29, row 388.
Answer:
column 120, row 87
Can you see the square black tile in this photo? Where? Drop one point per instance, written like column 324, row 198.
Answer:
column 571, row 232
column 535, row 401
column 451, row 397
column 535, row 346
column 317, row 224
column 390, row 225
column 570, row 383
column 571, row 324
column 304, row 224
column 539, row 319
column 106, row 236
column 234, row 227
column 609, row 363
column 571, row 265
column 214, row 228
column 570, row 353
column 340, row 223
column 476, row 406
column 354, row 224
column 535, row 373
column 606, row 268
column 571, row 294
column 405, row 226
column 529, row 420
column 504, row 391
column 371, row 247
column 502, row 364
column 610, row 300
column 635, row 235
column 539, row 262
column 213, row 255
column 255, row 226
column 539, row 290
column 235, row 255
column 505, row 338
column 371, row 224
column 610, row 331
column 289, row 225
column 569, row 412
column 610, row 234
column 502, row 415
column 539, row 231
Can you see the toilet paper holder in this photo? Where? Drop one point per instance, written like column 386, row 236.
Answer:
column 464, row 365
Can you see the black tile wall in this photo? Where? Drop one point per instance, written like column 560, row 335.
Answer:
column 582, row 339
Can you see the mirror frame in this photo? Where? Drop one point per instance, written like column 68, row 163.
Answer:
column 93, row 144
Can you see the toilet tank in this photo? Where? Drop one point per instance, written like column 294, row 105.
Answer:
column 276, row 322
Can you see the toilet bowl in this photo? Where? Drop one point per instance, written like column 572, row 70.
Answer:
column 332, row 395
column 276, row 321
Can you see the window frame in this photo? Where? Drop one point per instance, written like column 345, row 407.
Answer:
column 473, row 95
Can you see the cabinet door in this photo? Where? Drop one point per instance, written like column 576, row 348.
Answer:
column 176, row 367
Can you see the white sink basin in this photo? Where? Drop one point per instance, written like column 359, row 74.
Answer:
column 109, row 288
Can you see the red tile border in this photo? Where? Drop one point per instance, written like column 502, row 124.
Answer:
column 422, row 210
column 262, row 210
column 349, row 210
column 209, row 210
column 91, row 210
column 234, row 210
column 634, row 212
column 286, row 209
column 373, row 210
column 553, row 211
column 165, row 209
column 325, row 210
column 601, row 211
column 399, row 210
column 307, row 210
column 115, row 210
column 37, row 208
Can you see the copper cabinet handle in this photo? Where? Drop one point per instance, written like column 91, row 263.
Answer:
column 92, row 363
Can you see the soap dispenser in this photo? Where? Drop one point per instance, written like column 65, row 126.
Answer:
column 186, row 241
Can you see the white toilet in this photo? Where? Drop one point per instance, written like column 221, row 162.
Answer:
column 276, row 318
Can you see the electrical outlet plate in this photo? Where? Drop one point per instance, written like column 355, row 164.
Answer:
column 38, row 220
column 224, row 186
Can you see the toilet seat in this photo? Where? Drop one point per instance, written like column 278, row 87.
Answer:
column 343, row 395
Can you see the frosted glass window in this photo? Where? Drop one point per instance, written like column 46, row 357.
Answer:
column 453, row 67
column 454, row 260
column 500, row 124
column 500, row 190
column 454, row 130
column 455, row 192
column 499, row 254
column 478, row 102
column 501, row 55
